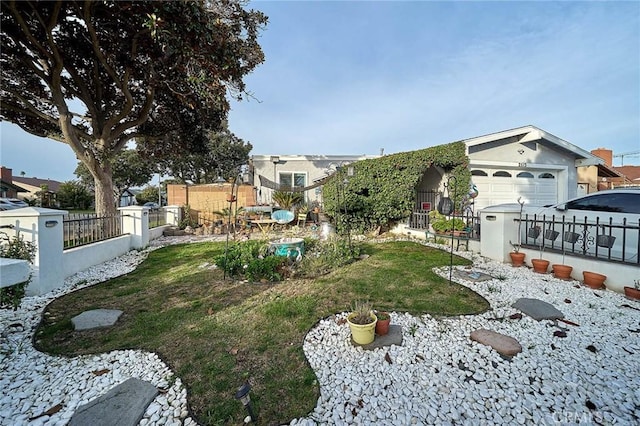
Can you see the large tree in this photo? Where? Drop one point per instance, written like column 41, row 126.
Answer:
column 95, row 74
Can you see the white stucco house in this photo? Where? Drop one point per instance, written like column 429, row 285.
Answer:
column 526, row 162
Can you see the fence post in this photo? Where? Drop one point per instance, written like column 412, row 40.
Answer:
column 498, row 226
column 44, row 228
column 135, row 222
column 173, row 215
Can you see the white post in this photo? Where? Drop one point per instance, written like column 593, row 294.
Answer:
column 498, row 226
column 135, row 221
column 44, row 228
column 173, row 215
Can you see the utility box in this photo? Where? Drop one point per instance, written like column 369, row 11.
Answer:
column 499, row 226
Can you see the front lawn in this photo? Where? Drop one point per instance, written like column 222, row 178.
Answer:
column 216, row 334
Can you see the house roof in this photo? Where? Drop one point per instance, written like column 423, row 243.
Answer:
column 631, row 172
column 8, row 185
column 53, row 185
column 534, row 134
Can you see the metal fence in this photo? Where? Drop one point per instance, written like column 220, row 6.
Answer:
column 619, row 242
column 81, row 229
column 420, row 220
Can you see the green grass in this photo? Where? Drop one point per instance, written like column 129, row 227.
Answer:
column 217, row 334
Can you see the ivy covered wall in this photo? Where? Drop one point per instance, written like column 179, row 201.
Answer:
column 382, row 191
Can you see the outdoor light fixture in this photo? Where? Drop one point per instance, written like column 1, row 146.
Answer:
column 50, row 223
column 220, row 180
column 242, row 394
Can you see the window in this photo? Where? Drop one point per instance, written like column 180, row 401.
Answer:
column 502, row 173
column 613, row 203
column 292, row 179
column 478, row 173
column 546, row 176
column 524, row 175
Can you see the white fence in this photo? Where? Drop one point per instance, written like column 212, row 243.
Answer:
column 52, row 264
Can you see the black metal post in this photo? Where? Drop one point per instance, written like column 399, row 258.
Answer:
column 233, row 198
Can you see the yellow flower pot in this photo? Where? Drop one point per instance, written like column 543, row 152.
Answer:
column 363, row 334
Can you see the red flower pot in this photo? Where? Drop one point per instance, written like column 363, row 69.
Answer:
column 562, row 271
column 632, row 293
column 540, row 265
column 517, row 259
column 382, row 326
column 593, row 279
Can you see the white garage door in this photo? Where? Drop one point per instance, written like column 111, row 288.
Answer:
column 499, row 186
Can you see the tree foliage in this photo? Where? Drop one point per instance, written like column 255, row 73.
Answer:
column 96, row 74
column 383, row 190
column 74, row 195
column 220, row 156
column 149, row 193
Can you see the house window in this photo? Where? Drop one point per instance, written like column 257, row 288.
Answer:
column 524, row 175
column 502, row 173
column 546, row 176
column 292, row 179
column 478, row 173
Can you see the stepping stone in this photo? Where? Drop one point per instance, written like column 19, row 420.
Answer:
column 475, row 276
column 393, row 337
column 503, row 344
column 96, row 318
column 123, row 405
column 538, row 309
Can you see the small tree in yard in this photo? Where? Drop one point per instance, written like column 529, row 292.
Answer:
column 74, row 195
column 97, row 74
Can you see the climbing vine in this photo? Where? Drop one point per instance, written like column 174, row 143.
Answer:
column 382, row 190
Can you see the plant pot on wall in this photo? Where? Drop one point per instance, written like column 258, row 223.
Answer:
column 540, row 265
column 593, row 279
column 517, row 258
column 562, row 271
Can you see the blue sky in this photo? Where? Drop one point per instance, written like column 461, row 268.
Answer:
column 355, row 77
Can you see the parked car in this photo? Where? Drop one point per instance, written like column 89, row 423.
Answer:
column 600, row 222
column 12, row 203
column 151, row 205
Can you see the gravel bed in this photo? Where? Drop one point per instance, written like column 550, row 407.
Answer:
column 438, row 375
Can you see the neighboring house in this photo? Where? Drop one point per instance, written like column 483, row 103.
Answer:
column 526, row 162
column 34, row 186
column 269, row 172
column 8, row 189
column 614, row 177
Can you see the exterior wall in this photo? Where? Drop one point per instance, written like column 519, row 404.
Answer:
column 313, row 166
column 80, row 258
column 589, row 176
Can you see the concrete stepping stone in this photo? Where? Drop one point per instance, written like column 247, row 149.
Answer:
column 124, row 405
column 96, row 318
column 393, row 337
column 503, row 344
column 472, row 275
column 537, row 309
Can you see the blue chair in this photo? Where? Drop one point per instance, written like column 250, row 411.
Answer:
column 282, row 217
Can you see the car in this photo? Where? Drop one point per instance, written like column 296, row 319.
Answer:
column 12, row 203
column 604, row 223
column 151, row 205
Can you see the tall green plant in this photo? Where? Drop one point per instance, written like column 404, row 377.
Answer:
column 287, row 200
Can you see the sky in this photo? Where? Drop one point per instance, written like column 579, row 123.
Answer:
column 352, row 78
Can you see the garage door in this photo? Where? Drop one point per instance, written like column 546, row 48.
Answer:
column 499, row 186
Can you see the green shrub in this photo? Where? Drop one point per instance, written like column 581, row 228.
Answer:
column 323, row 256
column 15, row 248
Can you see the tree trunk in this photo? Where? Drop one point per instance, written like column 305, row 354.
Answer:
column 104, row 198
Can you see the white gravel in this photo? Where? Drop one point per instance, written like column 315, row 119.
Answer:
column 438, row 375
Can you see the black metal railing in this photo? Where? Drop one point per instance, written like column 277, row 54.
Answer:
column 157, row 217
column 420, row 220
column 575, row 236
column 82, row 229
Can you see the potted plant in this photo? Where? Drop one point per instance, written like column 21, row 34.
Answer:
column 362, row 322
column 517, row 258
column 593, row 279
column 540, row 265
column 384, row 320
column 633, row 292
column 441, row 225
column 562, row 270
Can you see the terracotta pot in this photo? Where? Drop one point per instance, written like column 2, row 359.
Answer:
column 517, row 259
column 593, row 279
column 562, row 271
column 632, row 293
column 382, row 326
column 540, row 265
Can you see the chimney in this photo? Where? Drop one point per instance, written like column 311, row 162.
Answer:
column 605, row 154
column 6, row 174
